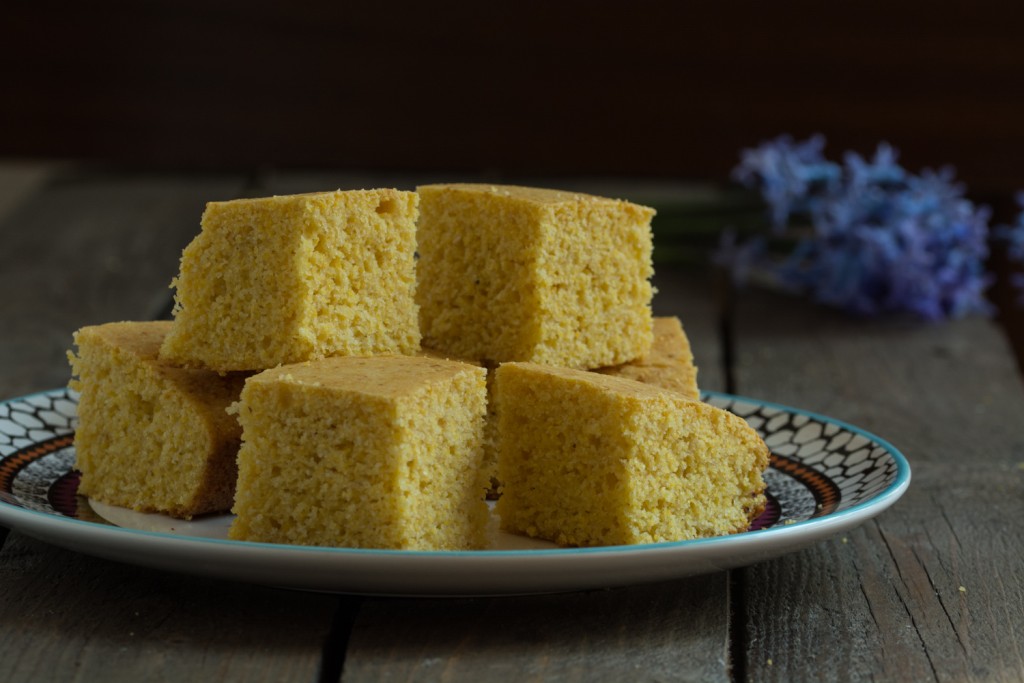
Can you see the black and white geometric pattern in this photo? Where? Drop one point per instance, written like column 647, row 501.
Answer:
column 818, row 466
column 36, row 447
column 837, row 465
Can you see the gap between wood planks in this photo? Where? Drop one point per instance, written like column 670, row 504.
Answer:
column 332, row 660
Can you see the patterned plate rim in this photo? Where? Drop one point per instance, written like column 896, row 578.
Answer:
column 11, row 512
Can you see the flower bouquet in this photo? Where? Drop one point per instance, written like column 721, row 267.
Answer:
column 864, row 235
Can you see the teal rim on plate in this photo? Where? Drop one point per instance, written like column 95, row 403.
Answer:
column 823, row 471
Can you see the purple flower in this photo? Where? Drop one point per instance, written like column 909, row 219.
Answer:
column 791, row 176
column 881, row 172
column 882, row 239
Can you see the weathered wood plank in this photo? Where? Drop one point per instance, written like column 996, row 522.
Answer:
column 90, row 248
column 19, row 179
column 71, row 617
column 885, row 602
column 643, row 633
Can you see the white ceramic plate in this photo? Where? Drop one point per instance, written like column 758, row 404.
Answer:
column 825, row 477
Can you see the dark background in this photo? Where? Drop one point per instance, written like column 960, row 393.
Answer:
column 652, row 89
column 503, row 90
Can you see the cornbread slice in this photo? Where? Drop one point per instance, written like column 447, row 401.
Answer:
column 669, row 365
column 151, row 436
column 512, row 273
column 378, row 452
column 589, row 459
column 286, row 279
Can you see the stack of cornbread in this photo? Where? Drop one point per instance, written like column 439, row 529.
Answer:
column 360, row 368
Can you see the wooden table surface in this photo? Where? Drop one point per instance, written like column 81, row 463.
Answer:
column 930, row 590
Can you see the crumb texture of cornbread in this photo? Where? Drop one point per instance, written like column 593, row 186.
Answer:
column 587, row 459
column 490, row 442
column 376, row 452
column 512, row 273
column 669, row 364
column 151, row 436
column 286, row 279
